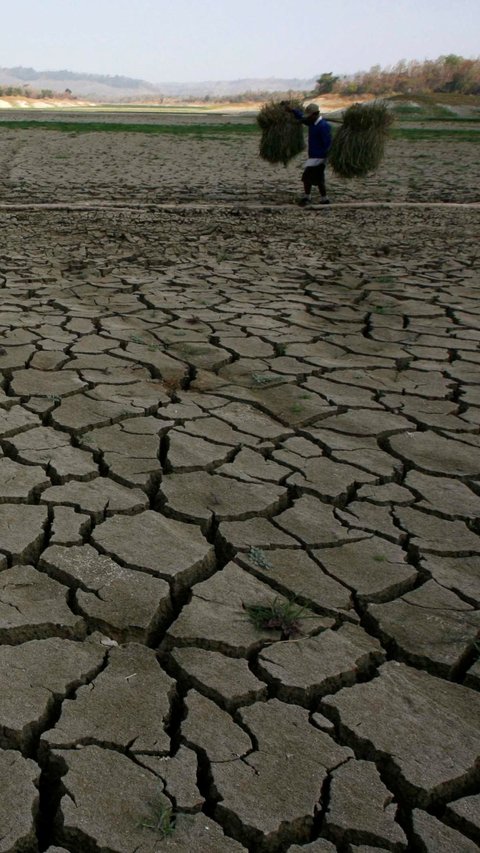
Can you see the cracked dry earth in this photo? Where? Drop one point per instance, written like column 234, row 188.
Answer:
column 205, row 411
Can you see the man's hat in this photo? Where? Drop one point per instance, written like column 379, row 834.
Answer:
column 312, row 109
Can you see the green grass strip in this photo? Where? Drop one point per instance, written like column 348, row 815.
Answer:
column 113, row 127
column 437, row 119
column 213, row 131
column 454, row 134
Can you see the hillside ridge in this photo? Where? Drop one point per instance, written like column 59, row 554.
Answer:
column 114, row 87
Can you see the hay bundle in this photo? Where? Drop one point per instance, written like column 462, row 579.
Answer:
column 282, row 135
column 358, row 146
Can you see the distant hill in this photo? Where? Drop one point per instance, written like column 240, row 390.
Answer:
column 101, row 86
column 111, row 88
column 222, row 88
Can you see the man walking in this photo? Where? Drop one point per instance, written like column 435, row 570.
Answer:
column 319, row 142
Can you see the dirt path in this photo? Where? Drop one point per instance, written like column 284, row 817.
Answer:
column 203, row 206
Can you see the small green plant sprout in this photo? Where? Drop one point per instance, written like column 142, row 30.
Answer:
column 296, row 408
column 137, row 339
column 160, row 820
column 188, row 349
column 54, row 398
column 280, row 349
column 262, row 378
column 279, row 615
column 257, row 556
column 385, row 279
column 380, row 558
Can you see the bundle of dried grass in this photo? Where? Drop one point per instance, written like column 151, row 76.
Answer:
column 358, row 145
column 282, row 135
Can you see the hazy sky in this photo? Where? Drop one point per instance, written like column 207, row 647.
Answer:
column 186, row 40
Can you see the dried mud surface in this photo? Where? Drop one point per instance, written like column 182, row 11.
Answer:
column 203, row 410
column 45, row 165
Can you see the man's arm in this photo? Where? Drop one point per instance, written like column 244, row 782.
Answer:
column 298, row 114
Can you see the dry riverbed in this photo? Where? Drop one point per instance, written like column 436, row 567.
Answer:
column 46, row 165
column 204, row 411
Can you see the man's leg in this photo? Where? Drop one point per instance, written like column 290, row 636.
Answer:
column 307, row 187
column 321, row 184
column 321, row 180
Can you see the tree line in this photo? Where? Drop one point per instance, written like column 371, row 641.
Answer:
column 450, row 73
column 27, row 92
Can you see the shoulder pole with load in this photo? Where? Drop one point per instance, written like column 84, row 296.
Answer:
column 358, row 145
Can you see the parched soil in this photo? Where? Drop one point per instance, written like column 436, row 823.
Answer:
column 210, row 408
column 46, row 165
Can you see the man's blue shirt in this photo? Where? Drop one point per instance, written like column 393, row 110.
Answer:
column 319, row 136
